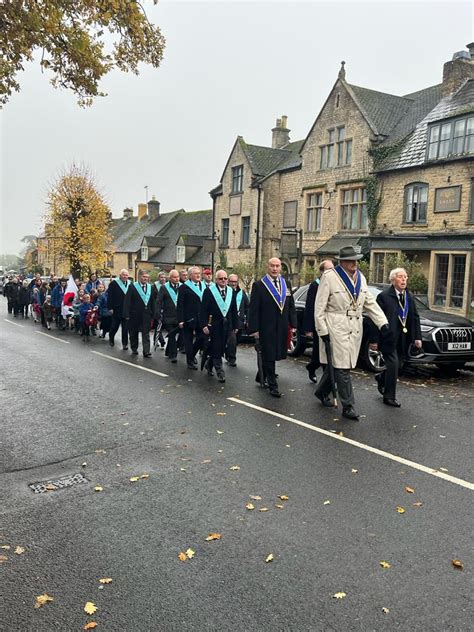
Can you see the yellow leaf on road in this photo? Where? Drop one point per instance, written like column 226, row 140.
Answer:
column 327, row 502
column 339, row 595
column 409, row 490
column 182, row 556
column 283, row 497
column 3, row 558
column 105, row 580
column 90, row 626
column 90, row 607
column 145, row 476
column 206, row 461
column 234, row 467
column 249, row 506
column 279, row 506
column 190, row 553
column 221, row 414
column 42, row 599
column 134, row 479
column 400, row 509
column 255, row 497
column 385, row 564
column 263, row 509
column 98, row 488
column 220, row 432
column 354, row 471
column 385, row 610
column 458, row 564
column 269, row 558
column 418, row 504
column 19, row 550
column 213, row 536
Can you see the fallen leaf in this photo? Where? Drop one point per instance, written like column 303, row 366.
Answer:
column 183, row 469
column 400, row 509
column 3, row 558
column 145, row 476
column 327, row 502
column 385, row 564
column 443, row 469
column 339, row 595
column 249, row 506
column 409, row 490
column 105, row 580
column 221, row 414
column 90, row 607
column 98, row 488
column 50, row 487
column 354, row 471
column 263, row 509
column 385, row 610
column 234, row 467
column 6, row 547
column 182, row 556
column 206, row 461
column 417, row 504
column 134, row 479
column 283, row 497
column 84, row 464
column 220, row 432
column 41, row 600
column 458, row 564
column 190, row 553
column 269, row 558
column 287, row 445
column 90, row 626
column 100, row 452
column 19, row 550
column 279, row 506
column 255, row 497
column 213, row 536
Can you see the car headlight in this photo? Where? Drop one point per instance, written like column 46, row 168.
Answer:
column 426, row 328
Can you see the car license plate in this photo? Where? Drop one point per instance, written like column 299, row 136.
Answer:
column 458, row 346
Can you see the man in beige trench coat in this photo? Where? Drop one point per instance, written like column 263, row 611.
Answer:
column 342, row 297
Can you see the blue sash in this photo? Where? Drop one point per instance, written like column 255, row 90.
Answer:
column 238, row 297
column 171, row 292
column 195, row 288
column 123, row 286
column 403, row 311
column 145, row 297
column 278, row 298
column 352, row 288
column 224, row 306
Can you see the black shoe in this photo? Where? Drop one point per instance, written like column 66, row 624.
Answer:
column 208, row 367
column 274, row 392
column 125, row 347
column 311, row 374
column 134, row 352
column 195, row 361
column 111, row 343
column 174, row 360
column 220, row 375
column 391, row 402
column 350, row 413
column 193, row 367
column 380, row 384
column 231, row 362
column 147, row 355
column 324, row 399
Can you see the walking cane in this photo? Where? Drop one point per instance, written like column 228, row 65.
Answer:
column 327, row 345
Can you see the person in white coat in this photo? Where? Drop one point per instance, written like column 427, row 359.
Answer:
column 342, row 298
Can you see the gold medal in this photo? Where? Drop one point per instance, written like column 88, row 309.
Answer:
column 405, row 330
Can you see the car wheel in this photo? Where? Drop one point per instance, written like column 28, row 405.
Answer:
column 371, row 360
column 452, row 368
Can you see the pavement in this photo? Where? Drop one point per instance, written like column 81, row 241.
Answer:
column 206, row 450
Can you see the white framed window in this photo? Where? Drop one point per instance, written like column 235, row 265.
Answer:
column 451, row 138
column 354, row 209
column 180, row 254
column 416, row 202
column 314, row 209
column 144, row 253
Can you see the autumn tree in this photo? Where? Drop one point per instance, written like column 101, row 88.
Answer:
column 80, row 41
column 77, row 222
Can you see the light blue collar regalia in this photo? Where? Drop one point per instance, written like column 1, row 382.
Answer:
column 195, row 288
column 238, row 298
column 123, row 286
column 278, row 297
column 173, row 293
column 145, row 297
column 223, row 305
column 353, row 288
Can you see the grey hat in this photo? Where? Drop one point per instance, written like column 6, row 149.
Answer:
column 349, row 253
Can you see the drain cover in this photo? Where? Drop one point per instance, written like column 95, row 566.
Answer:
column 59, row 483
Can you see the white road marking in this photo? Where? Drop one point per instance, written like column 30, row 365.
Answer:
column 10, row 322
column 362, row 446
column 135, row 366
column 53, row 337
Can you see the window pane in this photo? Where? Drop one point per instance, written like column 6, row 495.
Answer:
column 330, row 155
column 331, row 135
column 322, row 162
column 347, row 196
column 309, row 219
column 354, row 216
column 345, row 218
column 458, row 144
column 469, row 144
column 340, row 153
column 445, row 131
column 319, row 199
column 433, row 151
column 470, row 125
column 457, row 280
column 312, row 199
column 421, row 212
column 364, row 194
column 348, row 152
column 441, row 279
column 443, row 148
column 434, row 134
column 341, row 133
column 355, row 195
column 423, row 194
column 459, row 127
column 318, row 219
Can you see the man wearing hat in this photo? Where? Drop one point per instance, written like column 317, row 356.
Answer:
column 342, row 297
column 207, row 277
column 399, row 307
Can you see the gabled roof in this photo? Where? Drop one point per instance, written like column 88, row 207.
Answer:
column 193, row 241
column 381, row 110
column 155, row 242
column 423, row 101
column 412, row 151
column 128, row 233
column 195, row 224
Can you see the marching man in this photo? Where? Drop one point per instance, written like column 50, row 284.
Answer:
column 139, row 310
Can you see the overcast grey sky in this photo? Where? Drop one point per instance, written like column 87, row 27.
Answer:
column 229, row 69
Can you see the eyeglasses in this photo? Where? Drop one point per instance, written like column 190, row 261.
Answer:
column 222, row 278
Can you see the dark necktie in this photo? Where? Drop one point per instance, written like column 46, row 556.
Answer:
column 275, row 281
column 144, row 287
column 401, row 298
column 223, row 293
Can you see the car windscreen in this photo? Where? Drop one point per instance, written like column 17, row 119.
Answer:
column 300, row 294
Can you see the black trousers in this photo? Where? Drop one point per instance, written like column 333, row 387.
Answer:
column 193, row 342
column 171, row 350
column 315, row 362
column 118, row 321
column 388, row 378
column 145, row 332
column 343, row 383
column 231, row 347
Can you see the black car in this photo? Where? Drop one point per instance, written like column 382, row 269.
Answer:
column 448, row 339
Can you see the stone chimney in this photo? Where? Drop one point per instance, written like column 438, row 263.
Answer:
column 280, row 133
column 456, row 71
column 127, row 213
column 153, row 208
column 142, row 209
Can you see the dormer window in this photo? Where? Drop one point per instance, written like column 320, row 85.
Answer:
column 144, row 253
column 451, row 138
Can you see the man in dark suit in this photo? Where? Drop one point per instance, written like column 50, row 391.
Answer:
column 308, row 321
column 166, row 308
column 399, row 307
column 115, row 298
column 271, row 315
column 188, row 310
column 139, row 310
column 218, row 319
column 242, row 301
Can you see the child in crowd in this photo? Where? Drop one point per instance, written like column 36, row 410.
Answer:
column 104, row 313
column 48, row 312
column 87, row 311
column 75, row 309
column 35, row 304
column 24, row 299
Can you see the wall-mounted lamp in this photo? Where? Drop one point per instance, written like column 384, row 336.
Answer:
column 449, row 179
